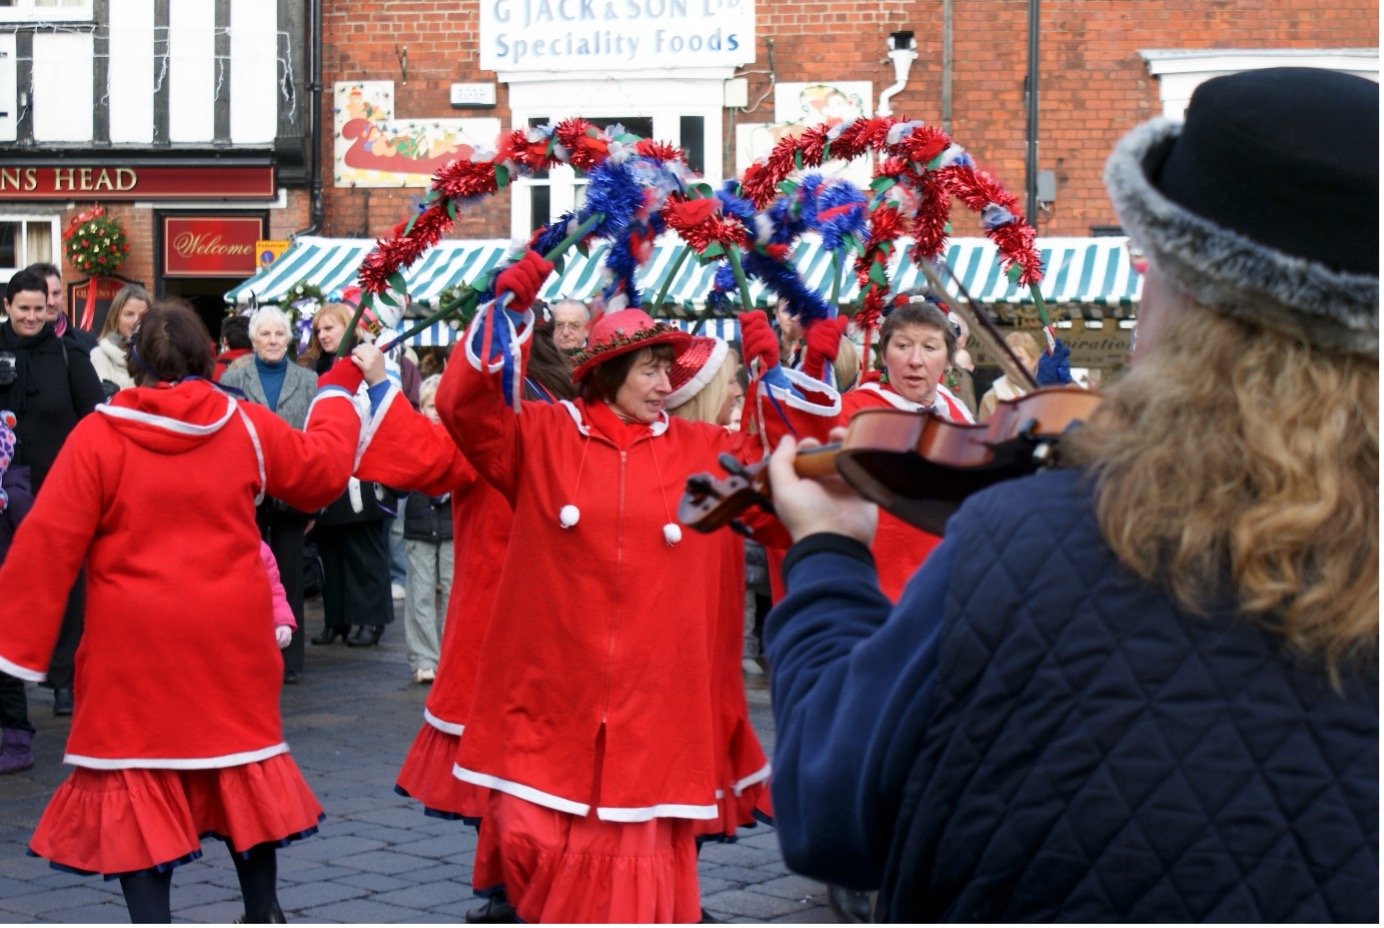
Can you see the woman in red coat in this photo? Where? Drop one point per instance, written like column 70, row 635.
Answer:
column 179, row 734
column 592, row 722
column 706, row 388
column 410, row 452
column 917, row 344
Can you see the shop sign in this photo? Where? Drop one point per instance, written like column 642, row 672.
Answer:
column 612, row 35
column 1105, row 346
column 107, row 182
column 211, row 246
column 90, row 311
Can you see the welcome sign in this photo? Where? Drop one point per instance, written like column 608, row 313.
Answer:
column 607, row 35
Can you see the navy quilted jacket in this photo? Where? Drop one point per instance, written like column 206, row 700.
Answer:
column 1034, row 734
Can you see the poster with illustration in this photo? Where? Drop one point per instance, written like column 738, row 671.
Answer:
column 800, row 105
column 374, row 149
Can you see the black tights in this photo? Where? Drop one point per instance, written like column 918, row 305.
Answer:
column 147, row 892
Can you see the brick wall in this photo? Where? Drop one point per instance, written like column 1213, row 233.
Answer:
column 1093, row 83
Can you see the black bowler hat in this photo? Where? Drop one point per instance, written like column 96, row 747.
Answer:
column 1264, row 203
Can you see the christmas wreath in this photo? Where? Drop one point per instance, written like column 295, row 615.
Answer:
column 95, row 243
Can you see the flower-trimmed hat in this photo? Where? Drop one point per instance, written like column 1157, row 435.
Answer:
column 620, row 333
column 1264, row 203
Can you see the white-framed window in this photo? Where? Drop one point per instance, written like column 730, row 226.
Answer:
column 41, row 11
column 1181, row 70
column 25, row 239
column 685, row 110
column 9, row 90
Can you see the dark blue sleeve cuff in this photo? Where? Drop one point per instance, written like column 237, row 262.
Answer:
column 830, row 543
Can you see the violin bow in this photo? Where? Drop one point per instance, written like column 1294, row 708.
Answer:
column 981, row 325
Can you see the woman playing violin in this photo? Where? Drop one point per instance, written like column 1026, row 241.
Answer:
column 1143, row 688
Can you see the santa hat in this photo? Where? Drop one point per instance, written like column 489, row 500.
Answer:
column 620, row 333
column 694, row 369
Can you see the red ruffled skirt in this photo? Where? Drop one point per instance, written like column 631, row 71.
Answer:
column 121, row 821
column 427, row 776
column 556, row 867
column 743, row 798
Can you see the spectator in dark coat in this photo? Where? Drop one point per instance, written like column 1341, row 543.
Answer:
column 49, row 384
column 1143, row 687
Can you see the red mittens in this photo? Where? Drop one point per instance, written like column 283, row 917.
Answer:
column 758, row 339
column 823, row 345
column 522, row 279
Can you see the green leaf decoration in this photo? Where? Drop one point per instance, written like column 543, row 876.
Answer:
column 935, row 163
column 787, row 188
column 408, row 229
column 714, row 250
column 452, row 209
column 1014, row 273
column 388, row 300
column 881, row 184
column 703, row 189
column 877, row 275
column 798, row 158
column 501, row 176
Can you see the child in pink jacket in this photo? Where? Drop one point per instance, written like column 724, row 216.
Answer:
column 284, row 623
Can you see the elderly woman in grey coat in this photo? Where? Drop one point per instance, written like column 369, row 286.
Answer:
column 272, row 379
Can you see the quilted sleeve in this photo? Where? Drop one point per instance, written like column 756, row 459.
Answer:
column 852, row 688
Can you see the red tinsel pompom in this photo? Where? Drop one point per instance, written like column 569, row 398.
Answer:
column 661, row 151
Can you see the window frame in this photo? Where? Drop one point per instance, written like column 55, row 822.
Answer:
column 656, row 96
column 26, row 218
column 27, row 11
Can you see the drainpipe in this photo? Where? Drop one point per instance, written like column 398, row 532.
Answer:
column 317, row 209
column 901, row 52
column 947, row 66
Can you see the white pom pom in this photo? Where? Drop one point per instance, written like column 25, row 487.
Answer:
column 568, row 516
column 672, row 534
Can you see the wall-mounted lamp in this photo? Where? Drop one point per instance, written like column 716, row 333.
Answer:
column 902, row 54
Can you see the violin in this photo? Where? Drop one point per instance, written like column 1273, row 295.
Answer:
column 917, row 466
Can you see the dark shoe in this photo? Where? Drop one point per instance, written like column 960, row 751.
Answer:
column 330, row 634
column 276, row 917
column 496, row 911
column 62, row 701
column 365, row 636
column 850, row 905
column 16, row 750
column 290, row 678
column 708, row 919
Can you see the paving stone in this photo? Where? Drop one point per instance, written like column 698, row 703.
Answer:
column 818, row 915
column 331, row 849
column 792, row 887
column 430, row 896
column 738, row 902
column 357, row 911
column 313, row 895
column 386, row 862
column 69, row 897
column 187, row 895
column 741, row 876
column 108, row 914
column 316, row 872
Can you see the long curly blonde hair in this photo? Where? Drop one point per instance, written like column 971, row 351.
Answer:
column 1232, row 459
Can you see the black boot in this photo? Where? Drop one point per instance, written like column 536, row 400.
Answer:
column 496, row 911
column 330, row 634
column 365, row 636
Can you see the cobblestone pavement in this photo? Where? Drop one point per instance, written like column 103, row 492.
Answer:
column 377, row 858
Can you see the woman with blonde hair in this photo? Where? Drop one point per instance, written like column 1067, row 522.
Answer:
column 1143, row 686
column 1025, row 348
column 109, row 358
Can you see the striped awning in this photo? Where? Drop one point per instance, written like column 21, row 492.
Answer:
column 1077, row 272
